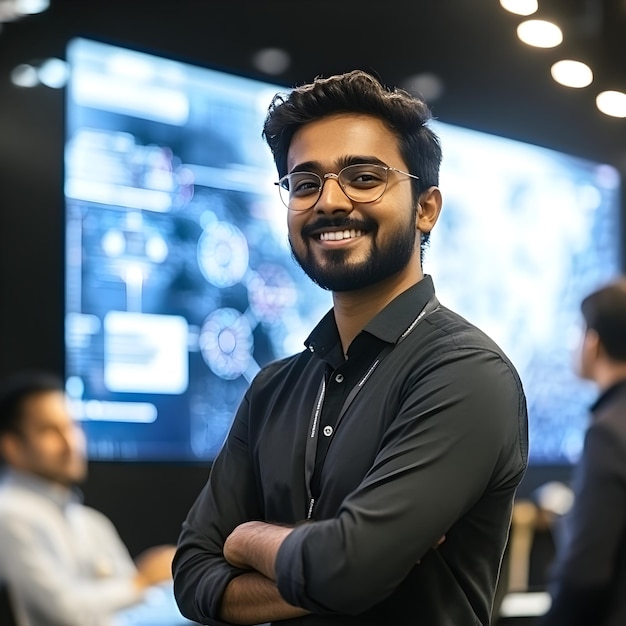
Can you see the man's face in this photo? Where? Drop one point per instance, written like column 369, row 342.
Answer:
column 379, row 239
column 49, row 443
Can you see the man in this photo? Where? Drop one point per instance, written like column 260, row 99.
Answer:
column 64, row 562
column 369, row 479
column 589, row 576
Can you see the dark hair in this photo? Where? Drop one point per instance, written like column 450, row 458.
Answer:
column 15, row 390
column 358, row 92
column 604, row 311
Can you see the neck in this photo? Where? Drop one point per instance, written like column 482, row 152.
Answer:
column 608, row 375
column 354, row 309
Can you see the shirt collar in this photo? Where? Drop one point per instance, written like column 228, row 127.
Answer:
column 608, row 395
column 387, row 325
column 60, row 495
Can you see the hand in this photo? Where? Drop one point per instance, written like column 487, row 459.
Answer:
column 254, row 545
column 234, row 546
column 154, row 566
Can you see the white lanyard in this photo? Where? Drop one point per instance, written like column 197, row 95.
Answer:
column 311, row 444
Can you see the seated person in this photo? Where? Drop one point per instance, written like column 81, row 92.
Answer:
column 63, row 561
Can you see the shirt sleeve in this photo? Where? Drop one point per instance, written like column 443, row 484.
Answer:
column 229, row 498
column 43, row 583
column 457, row 433
column 592, row 533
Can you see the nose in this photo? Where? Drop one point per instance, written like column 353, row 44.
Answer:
column 332, row 197
column 71, row 438
column 67, row 440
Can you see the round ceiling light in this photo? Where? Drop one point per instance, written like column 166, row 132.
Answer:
column 572, row 73
column 520, row 7
column 612, row 103
column 540, row 33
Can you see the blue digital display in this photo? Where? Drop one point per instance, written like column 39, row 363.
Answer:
column 180, row 283
column 525, row 234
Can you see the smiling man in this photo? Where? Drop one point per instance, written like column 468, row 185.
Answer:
column 370, row 478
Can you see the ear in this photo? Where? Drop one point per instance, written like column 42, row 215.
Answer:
column 591, row 343
column 10, row 448
column 428, row 209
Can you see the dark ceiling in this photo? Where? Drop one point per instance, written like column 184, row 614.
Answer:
column 492, row 81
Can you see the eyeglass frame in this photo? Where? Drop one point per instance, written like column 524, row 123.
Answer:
column 336, row 176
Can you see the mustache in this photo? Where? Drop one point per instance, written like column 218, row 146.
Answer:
column 342, row 223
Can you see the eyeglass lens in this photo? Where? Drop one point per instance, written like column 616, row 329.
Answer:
column 299, row 191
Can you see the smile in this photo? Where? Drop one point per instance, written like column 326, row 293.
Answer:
column 340, row 235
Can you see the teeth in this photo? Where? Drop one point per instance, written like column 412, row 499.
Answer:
column 339, row 235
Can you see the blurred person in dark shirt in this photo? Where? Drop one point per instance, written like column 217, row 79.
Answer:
column 588, row 579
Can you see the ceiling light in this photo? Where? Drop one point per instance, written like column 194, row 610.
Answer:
column 24, row 75
column 30, row 7
column 540, row 33
column 427, row 86
column 53, row 73
column 15, row 9
column 612, row 103
column 272, row 61
column 572, row 73
column 520, row 7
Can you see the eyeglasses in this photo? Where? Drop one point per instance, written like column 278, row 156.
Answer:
column 363, row 182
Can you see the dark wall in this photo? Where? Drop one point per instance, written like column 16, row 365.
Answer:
column 146, row 502
column 31, row 231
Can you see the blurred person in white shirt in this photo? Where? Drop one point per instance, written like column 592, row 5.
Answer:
column 63, row 561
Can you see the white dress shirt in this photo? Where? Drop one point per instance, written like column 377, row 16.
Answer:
column 64, row 561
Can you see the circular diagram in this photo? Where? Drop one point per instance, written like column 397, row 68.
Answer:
column 226, row 343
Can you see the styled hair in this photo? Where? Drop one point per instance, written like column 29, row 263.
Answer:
column 17, row 389
column 358, row 92
column 604, row 311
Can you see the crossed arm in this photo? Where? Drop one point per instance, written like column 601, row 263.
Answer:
column 235, row 575
column 254, row 597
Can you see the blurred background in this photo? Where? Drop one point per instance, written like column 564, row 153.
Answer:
column 501, row 106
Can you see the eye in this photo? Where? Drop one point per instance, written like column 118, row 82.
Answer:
column 364, row 176
column 303, row 184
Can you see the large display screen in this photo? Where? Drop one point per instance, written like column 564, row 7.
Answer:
column 180, row 283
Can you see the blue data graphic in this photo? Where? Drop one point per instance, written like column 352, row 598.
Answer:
column 525, row 234
column 179, row 278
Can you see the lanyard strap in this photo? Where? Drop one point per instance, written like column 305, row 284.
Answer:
column 311, row 444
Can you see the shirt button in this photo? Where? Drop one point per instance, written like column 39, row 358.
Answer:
column 328, row 431
column 339, row 378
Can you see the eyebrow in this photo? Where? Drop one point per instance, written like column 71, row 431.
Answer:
column 344, row 161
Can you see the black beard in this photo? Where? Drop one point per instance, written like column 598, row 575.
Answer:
column 338, row 275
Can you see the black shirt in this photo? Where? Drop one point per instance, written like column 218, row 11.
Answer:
column 589, row 575
column 420, row 433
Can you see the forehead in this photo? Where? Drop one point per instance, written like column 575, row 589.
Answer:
column 45, row 408
column 328, row 140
